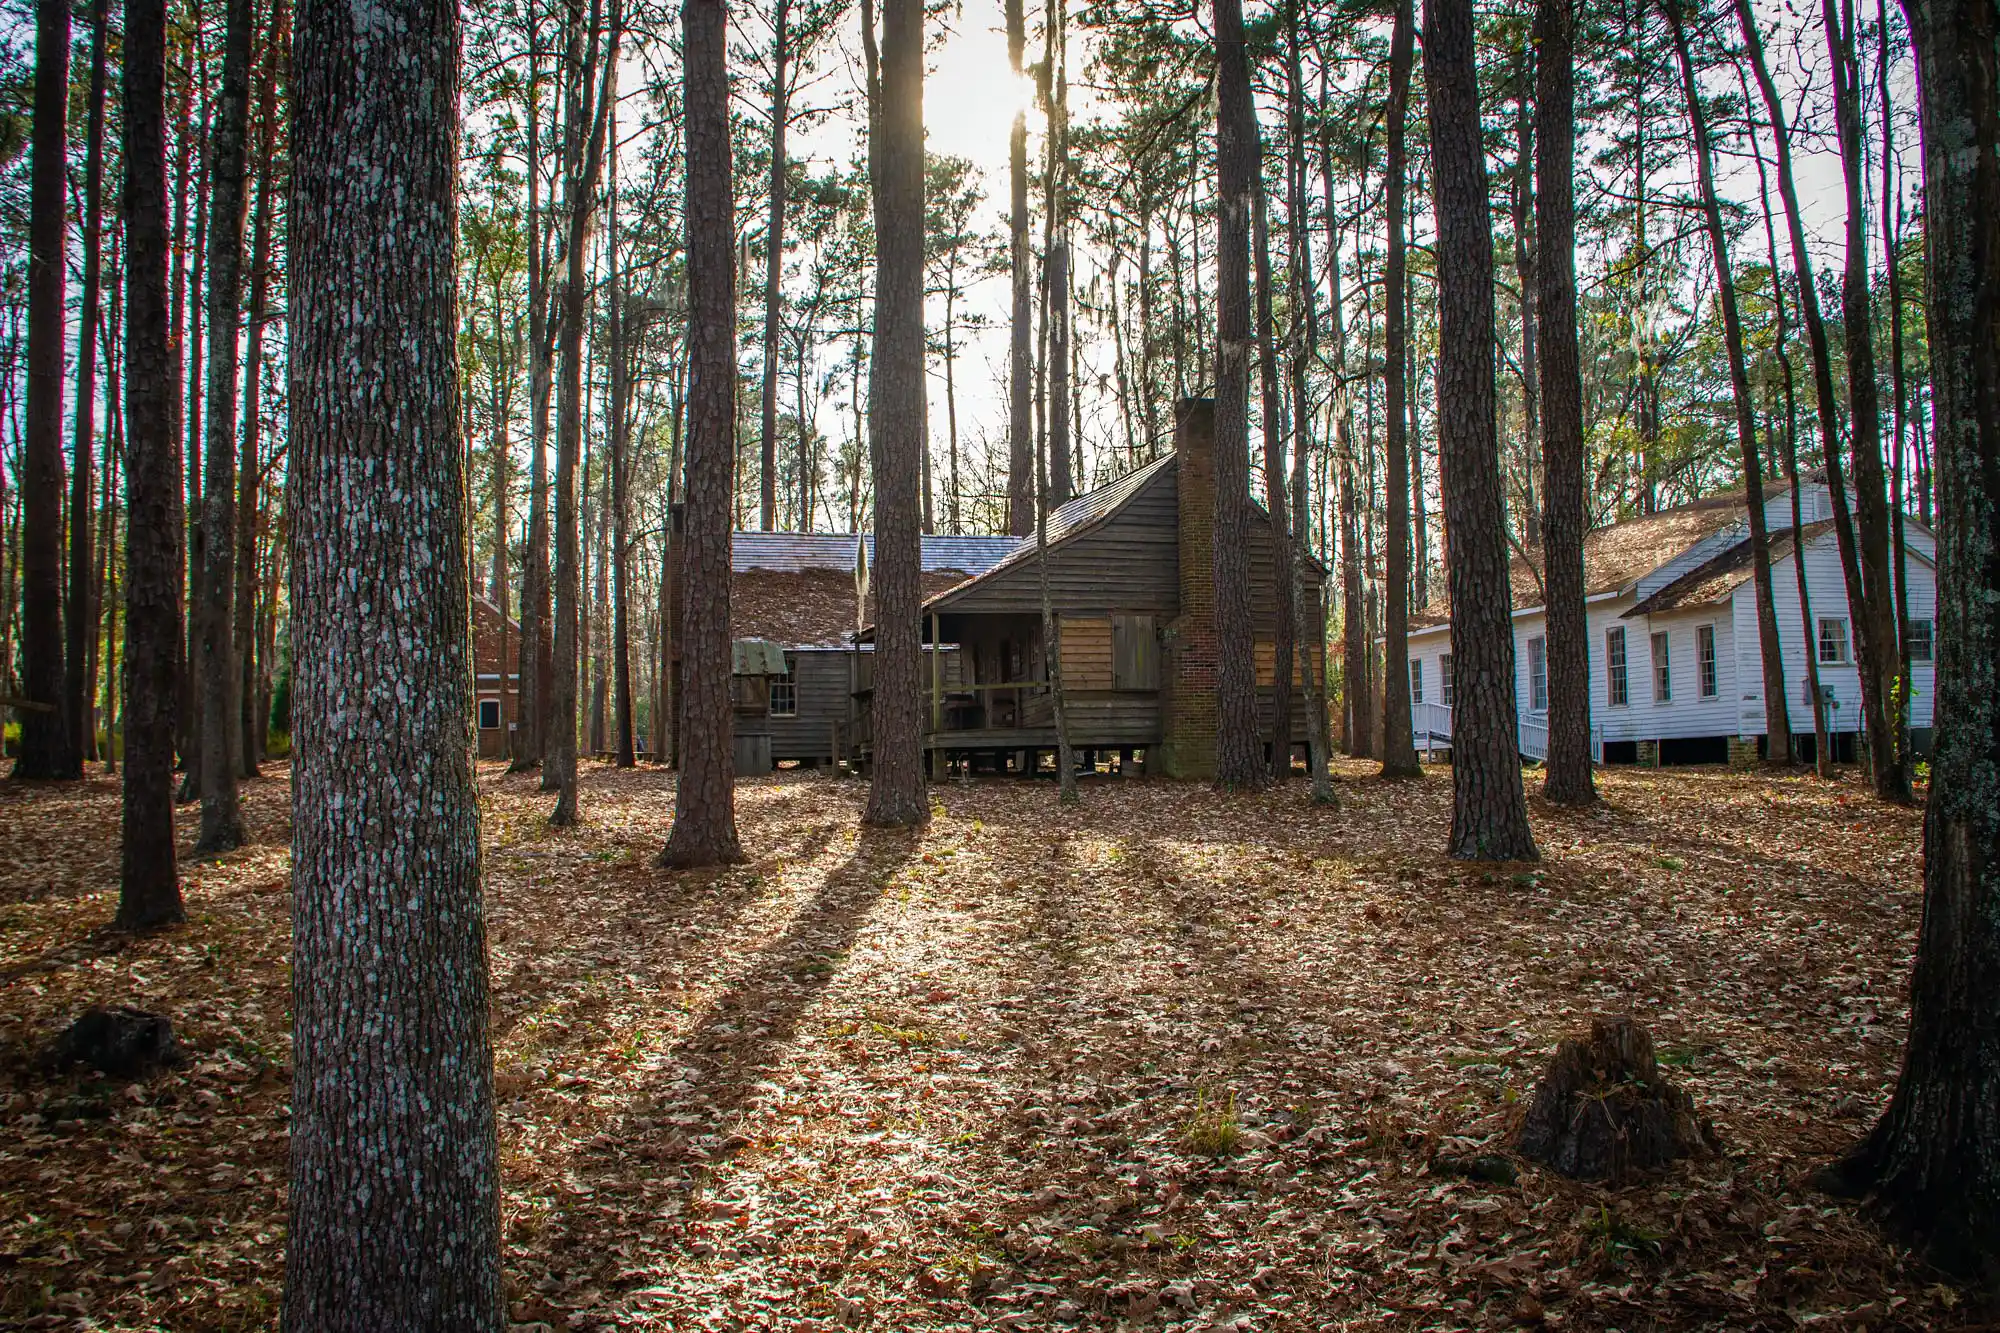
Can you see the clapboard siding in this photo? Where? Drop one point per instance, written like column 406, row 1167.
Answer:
column 823, row 690
column 1128, row 563
column 1086, row 652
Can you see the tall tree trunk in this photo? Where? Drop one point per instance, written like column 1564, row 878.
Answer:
column 1489, row 817
column 1569, row 780
column 774, row 261
column 46, row 739
column 1058, row 286
column 1777, row 719
column 149, row 890
column 1828, row 412
column 395, row 1190
column 1892, row 247
column 704, row 831
column 1285, row 578
column 79, row 621
column 1399, row 752
column 585, row 153
column 1021, row 465
column 1875, row 638
column 1309, row 626
column 188, row 736
column 896, row 795
column 1932, row 1162
column 1525, row 255
column 215, row 651
column 255, row 718
column 536, row 653
column 1238, row 760
column 620, row 464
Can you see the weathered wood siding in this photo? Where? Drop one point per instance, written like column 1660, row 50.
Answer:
column 1126, row 564
column 1086, row 652
column 822, row 682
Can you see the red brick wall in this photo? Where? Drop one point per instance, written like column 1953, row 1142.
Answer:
column 1188, row 685
column 495, row 636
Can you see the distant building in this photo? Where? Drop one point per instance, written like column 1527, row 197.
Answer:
column 1676, row 670
column 496, row 657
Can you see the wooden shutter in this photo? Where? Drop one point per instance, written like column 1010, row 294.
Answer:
column 1135, row 653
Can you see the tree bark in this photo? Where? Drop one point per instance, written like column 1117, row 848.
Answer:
column 395, row 1217
column 149, row 891
column 536, row 654
column 1828, row 412
column 1876, row 642
column 1285, row 577
column 1399, row 753
column 46, row 750
column 215, row 650
column 1058, row 281
column 704, row 831
column 79, row 619
column 896, row 795
column 1489, row 817
column 774, row 263
column 1238, row 758
column 1569, row 780
column 620, row 465
column 1021, row 465
column 1933, row 1160
column 585, row 160
column 1777, row 719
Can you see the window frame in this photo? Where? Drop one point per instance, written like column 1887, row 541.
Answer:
column 1707, row 663
column 1845, row 655
column 1661, row 646
column 1447, row 682
column 1416, row 680
column 1538, row 673
column 785, row 686
column 499, row 715
column 1930, row 639
column 1617, row 670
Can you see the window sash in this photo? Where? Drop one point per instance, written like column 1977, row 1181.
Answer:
column 489, row 708
column 1663, row 668
column 1923, row 640
column 1416, row 680
column 1704, row 650
column 1832, row 640
column 784, row 695
column 1538, row 674
column 1447, row 689
column 1617, row 688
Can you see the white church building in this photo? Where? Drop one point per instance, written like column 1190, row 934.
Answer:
column 1676, row 672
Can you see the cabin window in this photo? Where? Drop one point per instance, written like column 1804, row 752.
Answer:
column 785, row 691
column 1833, row 640
column 489, row 715
column 1616, row 689
column 1538, row 674
column 1447, row 690
column 1135, row 653
column 1918, row 636
column 1416, row 680
column 1663, row 668
column 1704, row 652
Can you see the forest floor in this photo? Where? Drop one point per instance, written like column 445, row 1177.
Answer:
column 1173, row 1060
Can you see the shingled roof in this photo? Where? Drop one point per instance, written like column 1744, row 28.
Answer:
column 797, row 588
column 1615, row 556
column 1717, row 577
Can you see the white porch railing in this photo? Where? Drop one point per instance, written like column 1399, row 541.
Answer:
column 1430, row 728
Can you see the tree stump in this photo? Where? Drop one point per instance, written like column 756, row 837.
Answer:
column 1602, row 1110
column 120, row 1042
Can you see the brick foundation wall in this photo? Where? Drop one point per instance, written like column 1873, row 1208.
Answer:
column 1188, row 683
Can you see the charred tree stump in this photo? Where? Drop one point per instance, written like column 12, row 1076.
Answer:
column 119, row 1041
column 1603, row 1111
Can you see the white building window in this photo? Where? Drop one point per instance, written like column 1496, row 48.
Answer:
column 1704, row 651
column 1416, row 680
column 1538, row 674
column 1921, row 640
column 1832, row 640
column 785, row 692
column 1617, row 691
column 489, row 715
column 1663, row 668
column 1447, row 691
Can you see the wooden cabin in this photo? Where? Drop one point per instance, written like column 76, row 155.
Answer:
column 496, row 650
column 804, row 592
column 1132, row 580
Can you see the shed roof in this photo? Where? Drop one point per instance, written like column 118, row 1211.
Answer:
column 809, row 608
column 1721, row 574
column 794, row 551
column 1614, row 557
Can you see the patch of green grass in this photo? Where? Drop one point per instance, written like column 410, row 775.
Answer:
column 1669, row 863
column 1616, row 1237
column 1213, row 1130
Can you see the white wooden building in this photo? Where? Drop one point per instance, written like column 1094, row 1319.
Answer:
column 1676, row 672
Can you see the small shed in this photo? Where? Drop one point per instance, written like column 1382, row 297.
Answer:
column 754, row 665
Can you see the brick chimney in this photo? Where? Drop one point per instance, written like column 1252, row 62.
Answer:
column 1189, row 679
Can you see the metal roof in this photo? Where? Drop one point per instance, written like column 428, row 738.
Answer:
column 796, row 552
